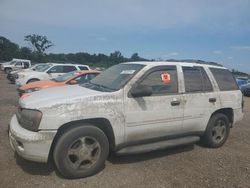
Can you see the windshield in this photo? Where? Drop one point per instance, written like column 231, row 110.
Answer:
column 12, row 62
column 42, row 68
column 114, row 78
column 66, row 76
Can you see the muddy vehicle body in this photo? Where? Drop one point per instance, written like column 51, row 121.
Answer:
column 129, row 108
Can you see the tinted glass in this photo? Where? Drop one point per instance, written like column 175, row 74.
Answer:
column 154, row 80
column 91, row 76
column 83, row 68
column 196, row 79
column 224, row 79
column 26, row 64
column 81, row 79
column 69, row 68
column 18, row 64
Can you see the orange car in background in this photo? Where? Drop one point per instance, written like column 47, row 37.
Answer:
column 71, row 78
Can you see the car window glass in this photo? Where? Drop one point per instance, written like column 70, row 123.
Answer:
column 69, row 68
column 91, row 76
column 83, row 68
column 26, row 64
column 56, row 69
column 224, row 79
column 196, row 79
column 154, row 80
column 18, row 64
column 81, row 79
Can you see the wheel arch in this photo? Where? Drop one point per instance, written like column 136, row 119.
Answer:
column 102, row 123
column 226, row 111
column 37, row 79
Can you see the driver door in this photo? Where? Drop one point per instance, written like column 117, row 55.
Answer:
column 159, row 115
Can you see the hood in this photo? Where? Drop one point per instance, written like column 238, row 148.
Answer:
column 41, row 84
column 53, row 96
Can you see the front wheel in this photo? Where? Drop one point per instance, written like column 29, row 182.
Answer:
column 81, row 152
column 217, row 131
column 7, row 70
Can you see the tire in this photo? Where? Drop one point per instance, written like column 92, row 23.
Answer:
column 7, row 70
column 217, row 131
column 81, row 151
column 32, row 80
column 247, row 92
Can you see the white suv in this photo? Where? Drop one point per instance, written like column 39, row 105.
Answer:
column 129, row 108
column 52, row 70
column 15, row 64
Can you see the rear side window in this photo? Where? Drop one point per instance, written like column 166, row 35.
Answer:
column 196, row 80
column 69, row 68
column 154, row 80
column 83, row 68
column 224, row 79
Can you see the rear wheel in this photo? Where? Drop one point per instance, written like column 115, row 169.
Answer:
column 217, row 131
column 81, row 152
column 32, row 80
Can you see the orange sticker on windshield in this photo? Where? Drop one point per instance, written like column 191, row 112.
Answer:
column 165, row 77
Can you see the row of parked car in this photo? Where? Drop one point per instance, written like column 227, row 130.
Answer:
column 244, row 85
column 129, row 108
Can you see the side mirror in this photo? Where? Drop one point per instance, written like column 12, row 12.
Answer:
column 141, row 91
column 72, row 82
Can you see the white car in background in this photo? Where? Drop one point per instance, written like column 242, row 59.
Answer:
column 15, row 64
column 13, row 75
column 52, row 70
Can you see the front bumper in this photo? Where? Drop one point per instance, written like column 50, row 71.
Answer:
column 34, row 146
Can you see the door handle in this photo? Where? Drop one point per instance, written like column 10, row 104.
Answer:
column 212, row 100
column 175, row 103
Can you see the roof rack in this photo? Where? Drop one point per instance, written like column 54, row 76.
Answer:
column 196, row 61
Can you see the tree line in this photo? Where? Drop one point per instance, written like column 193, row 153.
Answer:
column 40, row 44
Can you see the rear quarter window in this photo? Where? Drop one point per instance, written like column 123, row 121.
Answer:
column 224, row 79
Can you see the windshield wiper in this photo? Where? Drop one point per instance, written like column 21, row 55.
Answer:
column 101, row 86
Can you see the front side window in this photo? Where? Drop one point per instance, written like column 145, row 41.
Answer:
column 196, row 80
column 155, row 81
column 42, row 67
column 56, row 69
column 224, row 79
column 114, row 78
column 82, row 79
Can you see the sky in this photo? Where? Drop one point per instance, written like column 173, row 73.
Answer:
column 210, row 30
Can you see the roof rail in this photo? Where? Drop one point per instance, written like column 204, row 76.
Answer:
column 196, row 61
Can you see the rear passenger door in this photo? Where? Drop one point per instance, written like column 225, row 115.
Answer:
column 199, row 98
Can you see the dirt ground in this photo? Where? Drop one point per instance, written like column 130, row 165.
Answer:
column 191, row 166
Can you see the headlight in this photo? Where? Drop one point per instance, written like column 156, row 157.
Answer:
column 32, row 90
column 29, row 119
column 21, row 76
